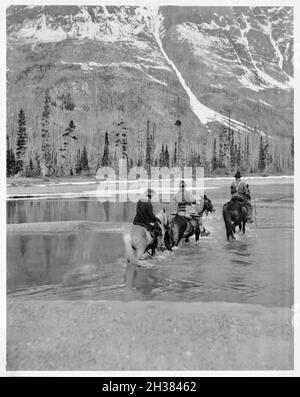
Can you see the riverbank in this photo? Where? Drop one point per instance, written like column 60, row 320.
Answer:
column 151, row 335
column 86, row 187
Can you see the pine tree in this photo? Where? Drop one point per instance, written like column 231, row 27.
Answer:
column 84, row 160
column 106, row 160
column 198, row 160
column 268, row 155
column 22, row 139
column 12, row 163
column 161, row 157
column 227, row 151
column 10, row 160
column 68, row 134
column 167, row 158
column 261, row 155
column 175, row 155
column 30, row 169
column 222, row 154
column 238, row 155
column 78, row 168
column 46, row 155
column 180, row 149
column 37, row 165
column 153, row 142
column 214, row 160
column 148, row 159
column 233, row 150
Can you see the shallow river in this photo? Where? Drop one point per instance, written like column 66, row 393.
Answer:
column 256, row 268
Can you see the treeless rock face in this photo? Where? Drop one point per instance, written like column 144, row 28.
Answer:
column 235, row 60
column 110, row 335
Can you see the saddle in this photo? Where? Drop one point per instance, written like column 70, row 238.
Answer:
column 244, row 209
column 191, row 225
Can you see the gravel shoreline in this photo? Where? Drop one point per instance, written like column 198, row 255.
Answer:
column 149, row 336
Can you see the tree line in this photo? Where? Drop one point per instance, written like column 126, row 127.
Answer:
column 230, row 151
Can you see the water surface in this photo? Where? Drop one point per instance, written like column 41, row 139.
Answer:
column 256, row 268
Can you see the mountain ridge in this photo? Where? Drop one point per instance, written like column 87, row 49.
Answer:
column 136, row 54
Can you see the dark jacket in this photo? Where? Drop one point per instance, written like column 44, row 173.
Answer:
column 144, row 215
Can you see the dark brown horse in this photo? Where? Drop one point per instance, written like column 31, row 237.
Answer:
column 180, row 227
column 234, row 214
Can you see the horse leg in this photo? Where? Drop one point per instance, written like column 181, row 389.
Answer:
column 244, row 226
column 197, row 233
column 232, row 231
column 139, row 254
column 177, row 236
column 154, row 246
column 129, row 249
column 177, row 241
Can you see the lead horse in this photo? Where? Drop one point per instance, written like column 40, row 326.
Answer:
column 234, row 214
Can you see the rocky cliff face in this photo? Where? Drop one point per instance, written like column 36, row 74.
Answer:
column 210, row 67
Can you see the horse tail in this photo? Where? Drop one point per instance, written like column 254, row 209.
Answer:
column 227, row 220
column 130, row 257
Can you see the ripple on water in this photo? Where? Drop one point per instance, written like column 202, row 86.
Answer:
column 254, row 268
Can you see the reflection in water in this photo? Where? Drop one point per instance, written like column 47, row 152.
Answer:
column 21, row 213
column 50, row 257
column 11, row 207
column 83, row 208
column 125, row 212
column 255, row 268
column 106, row 206
column 139, row 278
column 48, row 253
column 23, row 245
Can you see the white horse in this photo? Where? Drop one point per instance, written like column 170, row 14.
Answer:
column 138, row 240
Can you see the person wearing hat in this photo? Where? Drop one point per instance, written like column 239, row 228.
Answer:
column 184, row 200
column 240, row 190
column 145, row 216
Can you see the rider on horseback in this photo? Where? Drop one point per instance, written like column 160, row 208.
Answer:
column 240, row 191
column 185, row 200
column 145, row 216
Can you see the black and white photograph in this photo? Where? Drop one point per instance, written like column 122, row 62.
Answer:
column 149, row 187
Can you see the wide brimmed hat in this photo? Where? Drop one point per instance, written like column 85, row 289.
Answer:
column 238, row 174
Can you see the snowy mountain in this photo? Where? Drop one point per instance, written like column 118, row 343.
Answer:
column 210, row 67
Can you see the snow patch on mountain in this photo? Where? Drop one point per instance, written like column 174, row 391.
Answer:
column 157, row 81
column 116, row 28
column 265, row 103
column 202, row 112
column 210, row 47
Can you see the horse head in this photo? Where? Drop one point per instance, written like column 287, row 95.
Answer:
column 208, row 206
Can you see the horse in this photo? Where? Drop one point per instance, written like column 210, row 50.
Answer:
column 234, row 214
column 180, row 227
column 137, row 240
